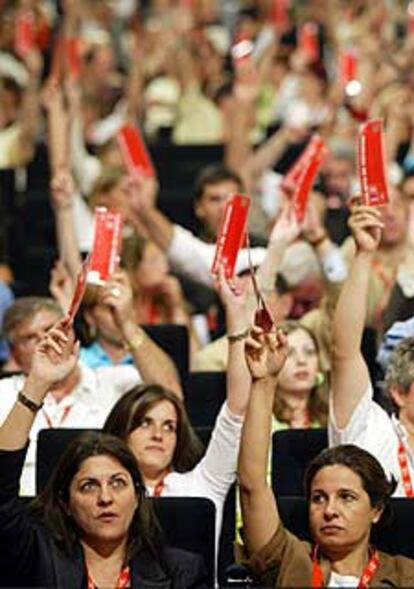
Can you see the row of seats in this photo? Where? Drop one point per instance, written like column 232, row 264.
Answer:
column 189, row 522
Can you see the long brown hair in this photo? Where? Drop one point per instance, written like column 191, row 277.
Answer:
column 51, row 505
column 318, row 398
column 130, row 411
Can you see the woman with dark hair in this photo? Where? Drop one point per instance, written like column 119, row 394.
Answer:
column 92, row 526
column 155, row 425
column 347, row 492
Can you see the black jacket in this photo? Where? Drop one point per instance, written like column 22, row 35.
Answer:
column 29, row 557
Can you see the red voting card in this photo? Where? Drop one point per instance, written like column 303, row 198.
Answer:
column 72, row 57
column 314, row 156
column 372, row 163
column 293, row 175
column 231, row 234
column 25, row 32
column 134, row 151
column 263, row 319
column 308, row 41
column 78, row 293
column 106, row 245
column 279, row 14
column 348, row 65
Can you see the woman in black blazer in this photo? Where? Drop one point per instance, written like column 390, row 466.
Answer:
column 92, row 527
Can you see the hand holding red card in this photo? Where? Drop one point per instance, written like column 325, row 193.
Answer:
column 134, row 151
column 78, row 294
column 231, row 234
column 106, row 245
column 348, row 65
column 372, row 163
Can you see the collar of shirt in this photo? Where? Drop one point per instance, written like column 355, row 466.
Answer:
column 95, row 356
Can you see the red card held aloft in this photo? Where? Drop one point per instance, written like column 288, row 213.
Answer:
column 308, row 41
column 314, row 156
column 348, row 65
column 372, row 163
column 106, row 245
column 73, row 58
column 25, row 32
column 231, row 234
column 293, row 175
column 78, row 293
column 280, row 14
column 134, row 151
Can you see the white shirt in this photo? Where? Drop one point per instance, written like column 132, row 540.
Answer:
column 86, row 406
column 371, row 428
column 192, row 256
column 337, row 580
column 216, row 471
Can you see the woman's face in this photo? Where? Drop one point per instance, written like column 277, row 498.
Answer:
column 340, row 511
column 102, row 499
column 302, row 363
column 152, row 269
column 153, row 442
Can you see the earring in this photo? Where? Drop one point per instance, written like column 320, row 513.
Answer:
column 319, row 379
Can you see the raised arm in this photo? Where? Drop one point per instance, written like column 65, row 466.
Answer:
column 265, row 356
column 350, row 377
column 238, row 378
column 54, row 359
column 154, row 365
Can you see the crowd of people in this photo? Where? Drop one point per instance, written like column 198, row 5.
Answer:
column 259, row 79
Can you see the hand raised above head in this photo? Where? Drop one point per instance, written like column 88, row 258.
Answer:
column 55, row 356
column 265, row 352
column 366, row 227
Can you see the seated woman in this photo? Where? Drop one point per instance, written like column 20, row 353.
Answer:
column 92, row 525
column 347, row 491
column 300, row 397
column 154, row 423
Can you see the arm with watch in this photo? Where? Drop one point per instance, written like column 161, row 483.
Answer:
column 153, row 364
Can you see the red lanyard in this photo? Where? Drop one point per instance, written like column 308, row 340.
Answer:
column 405, row 471
column 159, row 487
column 364, row 581
column 124, row 580
column 65, row 413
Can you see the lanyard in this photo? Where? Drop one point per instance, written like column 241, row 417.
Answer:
column 65, row 413
column 364, row 581
column 159, row 487
column 124, row 580
column 405, row 471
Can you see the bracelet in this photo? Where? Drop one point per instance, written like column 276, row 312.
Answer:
column 28, row 403
column 136, row 341
column 238, row 337
column 319, row 240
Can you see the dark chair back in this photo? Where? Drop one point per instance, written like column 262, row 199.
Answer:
column 173, row 339
column 292, row 450
column 189, row 523
column 204, row 393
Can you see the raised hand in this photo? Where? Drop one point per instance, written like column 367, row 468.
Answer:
column 265, row 353
column 117, row 293
column 366, row 226
column 286, row 228
column 62, row 188
column 61, row 285
column 55, row 357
